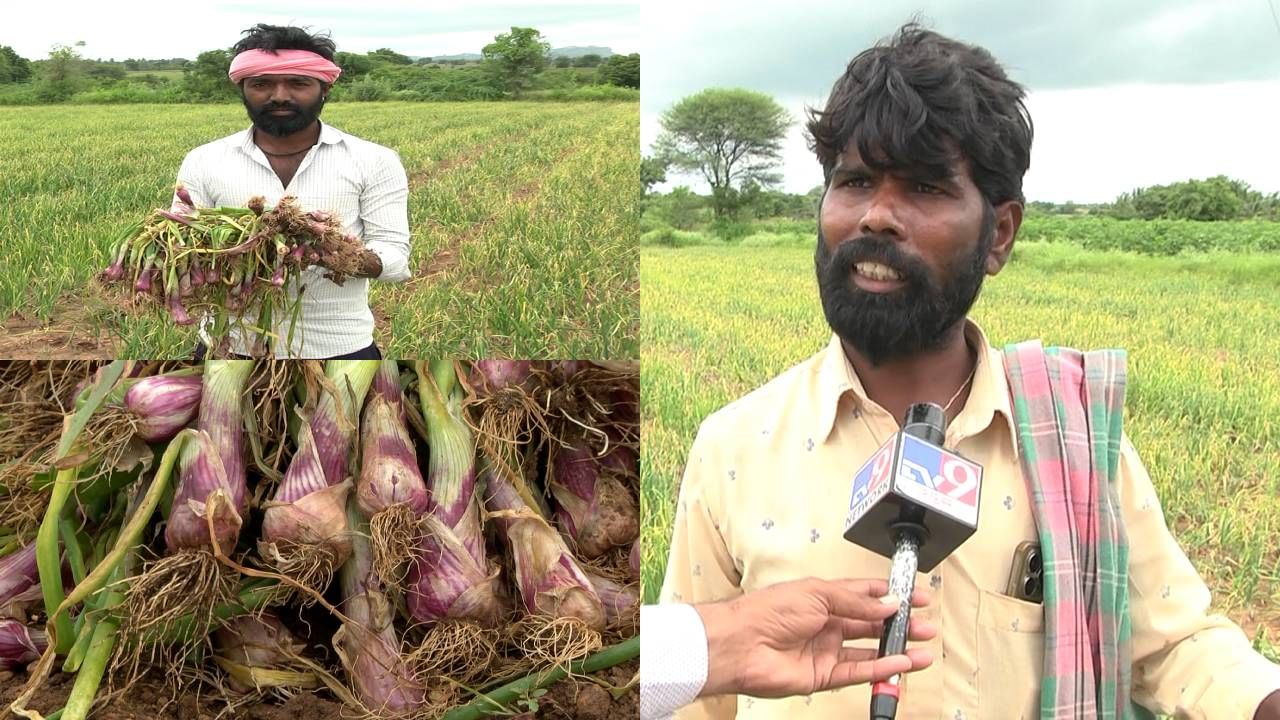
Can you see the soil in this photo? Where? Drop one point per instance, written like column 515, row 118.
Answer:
column 573, row 699
column 67, row 335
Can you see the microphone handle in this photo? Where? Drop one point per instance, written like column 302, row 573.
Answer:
column 902, row 581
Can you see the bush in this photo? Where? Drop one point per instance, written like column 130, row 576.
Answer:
column 593, row 93
column 365, row 90
column 669, row 237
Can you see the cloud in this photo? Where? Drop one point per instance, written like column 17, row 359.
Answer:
column 1149, row 90
column 154, row 29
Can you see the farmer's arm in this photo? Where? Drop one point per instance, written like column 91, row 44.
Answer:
column 1186, row 661
column 384, row 211
column 700, row 567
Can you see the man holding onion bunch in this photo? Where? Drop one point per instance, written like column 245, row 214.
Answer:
column 285, row 75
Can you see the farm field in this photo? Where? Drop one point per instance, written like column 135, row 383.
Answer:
column 523, row 220
column 1201, row 408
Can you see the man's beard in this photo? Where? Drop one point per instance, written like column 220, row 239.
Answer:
column 914, row 318
column 281, row 125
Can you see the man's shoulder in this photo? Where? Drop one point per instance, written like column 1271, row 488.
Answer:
column 744, row 419
column 366, row 148
column 218, row 146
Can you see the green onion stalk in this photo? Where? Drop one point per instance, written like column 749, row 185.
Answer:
column 227, row 260
column 449, row 576
column 390, row 489
column 550, row 580
column 206, row 514
column 367, row 645
column 305, row 534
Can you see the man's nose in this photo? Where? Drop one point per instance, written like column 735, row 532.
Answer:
column 280, row 93
column 881, row 216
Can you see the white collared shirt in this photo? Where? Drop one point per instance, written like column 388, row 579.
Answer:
column 363, row 183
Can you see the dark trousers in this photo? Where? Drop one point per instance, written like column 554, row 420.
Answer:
column 369, row 353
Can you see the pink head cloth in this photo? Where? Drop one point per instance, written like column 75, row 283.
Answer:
column 282, row 62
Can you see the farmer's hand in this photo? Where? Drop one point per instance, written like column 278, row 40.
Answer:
column 788, row 639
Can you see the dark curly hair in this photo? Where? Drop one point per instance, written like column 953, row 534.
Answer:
column 284, row 37
column 911, row 103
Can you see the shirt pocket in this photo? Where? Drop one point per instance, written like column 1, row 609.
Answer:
column 1010, row 656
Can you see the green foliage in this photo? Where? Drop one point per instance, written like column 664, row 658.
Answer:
column 1216, row 198
column 621, row 70
column 13, row 67
column 390, row 56
column 517, row 56
column 728, row 136
column 354, row 66
column 206, row 78
column 589, row 60
column 653, row 170
column 1153, row 237
column 366, row 90
column 61, row 75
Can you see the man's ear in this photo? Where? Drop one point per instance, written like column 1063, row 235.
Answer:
column 1007, row 221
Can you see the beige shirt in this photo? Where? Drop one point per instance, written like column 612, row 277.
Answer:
column 763, row 500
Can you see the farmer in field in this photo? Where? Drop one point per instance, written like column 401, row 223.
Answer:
column 924, row 142
column 285, row 75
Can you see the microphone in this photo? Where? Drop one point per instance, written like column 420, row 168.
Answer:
column 915, row 503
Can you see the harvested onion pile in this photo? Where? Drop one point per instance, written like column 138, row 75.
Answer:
column 255, row 530
column 227, row 261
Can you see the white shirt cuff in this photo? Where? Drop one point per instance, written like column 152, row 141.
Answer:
column 395, row 266
column 673, row 659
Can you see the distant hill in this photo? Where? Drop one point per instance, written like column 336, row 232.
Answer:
column 575, row 52
column 569, row 52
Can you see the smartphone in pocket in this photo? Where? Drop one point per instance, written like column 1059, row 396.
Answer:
column 1026, row 576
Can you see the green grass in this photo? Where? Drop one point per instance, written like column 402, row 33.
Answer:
column 1201, row 408
column 534, row 204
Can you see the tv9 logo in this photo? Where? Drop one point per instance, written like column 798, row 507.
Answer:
column 936, row 477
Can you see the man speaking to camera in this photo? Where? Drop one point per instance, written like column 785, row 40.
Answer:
column 924, row 143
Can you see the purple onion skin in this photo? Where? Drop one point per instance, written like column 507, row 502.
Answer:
column 144, row 281
column 179, row 313
column 18, row 572
column 114, row 271
column 163, row 405
column 389, row 474
column 635, row 560
column 202, row 475
column 183, row 195
column 20, row 645
column 557, row 588
column 593, row 507
column 618, row 601
column 445, row 581
column 488, row 376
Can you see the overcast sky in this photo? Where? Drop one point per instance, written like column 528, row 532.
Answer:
column 185, row 28
column 1122, row 94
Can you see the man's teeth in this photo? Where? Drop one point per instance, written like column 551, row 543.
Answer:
column 876, row 271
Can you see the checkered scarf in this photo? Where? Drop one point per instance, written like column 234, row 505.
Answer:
column 1068, row 407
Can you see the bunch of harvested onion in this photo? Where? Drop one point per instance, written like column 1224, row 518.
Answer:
column 167, row 541
column 228, row 261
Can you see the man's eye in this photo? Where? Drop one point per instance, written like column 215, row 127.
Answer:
column 927, row 189
column 857, row 181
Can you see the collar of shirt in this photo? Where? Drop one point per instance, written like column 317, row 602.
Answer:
column 329, row 135
column 989, row 395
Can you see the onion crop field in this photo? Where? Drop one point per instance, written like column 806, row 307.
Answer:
column 523, row 219
column 1201, row 407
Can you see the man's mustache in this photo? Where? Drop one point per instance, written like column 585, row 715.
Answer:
column 878, row 249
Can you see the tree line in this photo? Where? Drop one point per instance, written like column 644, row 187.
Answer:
column 732, row 140
column 517, row 64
